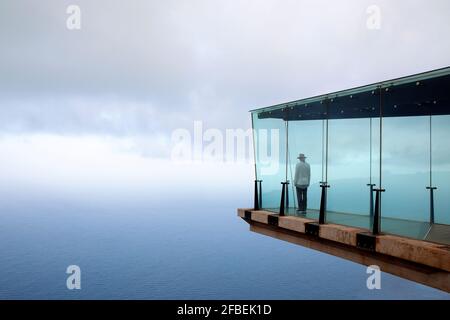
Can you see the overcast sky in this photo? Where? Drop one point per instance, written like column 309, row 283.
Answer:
column 146, row 66
column 136, row 70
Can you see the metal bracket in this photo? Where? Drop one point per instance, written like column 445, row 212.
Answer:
column 248, row 215
column 366, row 241
column 272, row 220
column 312, row 229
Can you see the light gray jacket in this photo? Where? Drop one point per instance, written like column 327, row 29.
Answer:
column 302, row 175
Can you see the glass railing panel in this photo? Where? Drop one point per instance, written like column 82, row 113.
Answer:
column 406, row 170
column 353, row 158
column 270, row 159
column 305, row 169
column 349, row 170
column 441, row 168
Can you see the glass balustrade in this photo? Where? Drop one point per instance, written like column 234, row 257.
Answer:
column 387, row 141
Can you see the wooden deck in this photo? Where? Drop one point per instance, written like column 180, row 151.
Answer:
column 420, row 261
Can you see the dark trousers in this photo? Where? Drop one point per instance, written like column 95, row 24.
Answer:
column 302, row 198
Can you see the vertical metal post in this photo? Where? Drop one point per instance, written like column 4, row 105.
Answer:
column 323, row 203
column 326, row 151
column 283, row 198
column 371, row 185
column 260, row 193
column 287, row 195
column 256, row 204
column 376, row 221
column 376, row 226
column 376, row 218
column 257, row 200
column 287, row 160
column 430, row 187
column 323, row 150
column 324, row 183
column 381, row 142
column 431, row 203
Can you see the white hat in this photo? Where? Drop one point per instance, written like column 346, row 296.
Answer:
column 301, row 155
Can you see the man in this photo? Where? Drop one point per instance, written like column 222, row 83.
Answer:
column 301, row 181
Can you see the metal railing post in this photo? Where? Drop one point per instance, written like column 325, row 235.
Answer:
column 376, row 226
column 431, row 203
column 283, row 198
column 371, row 185
column 260, row 193
column 323, row 202
column 256, row 204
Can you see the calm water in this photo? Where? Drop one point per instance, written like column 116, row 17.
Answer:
column 186, row 248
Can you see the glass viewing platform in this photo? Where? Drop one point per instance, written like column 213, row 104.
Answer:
column 375, row 157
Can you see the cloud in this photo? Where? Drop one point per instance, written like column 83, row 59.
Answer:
column 107, row 167
column 148, row 67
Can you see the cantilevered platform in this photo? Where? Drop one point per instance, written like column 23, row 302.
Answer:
column 420, row 230
column 420, row 261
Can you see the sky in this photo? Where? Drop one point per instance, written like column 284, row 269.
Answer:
column 102, row 102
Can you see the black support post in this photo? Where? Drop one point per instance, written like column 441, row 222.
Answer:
column 283, row 197
column 260, row 194
column 371, row 185
column 256, row 204
column 323, row 203
column 431, row 203
column 376, row 225
column 287, row 195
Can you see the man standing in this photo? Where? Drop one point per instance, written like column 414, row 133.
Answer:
column 301, row 181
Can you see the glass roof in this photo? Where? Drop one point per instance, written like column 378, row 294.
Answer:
column 421, row 94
